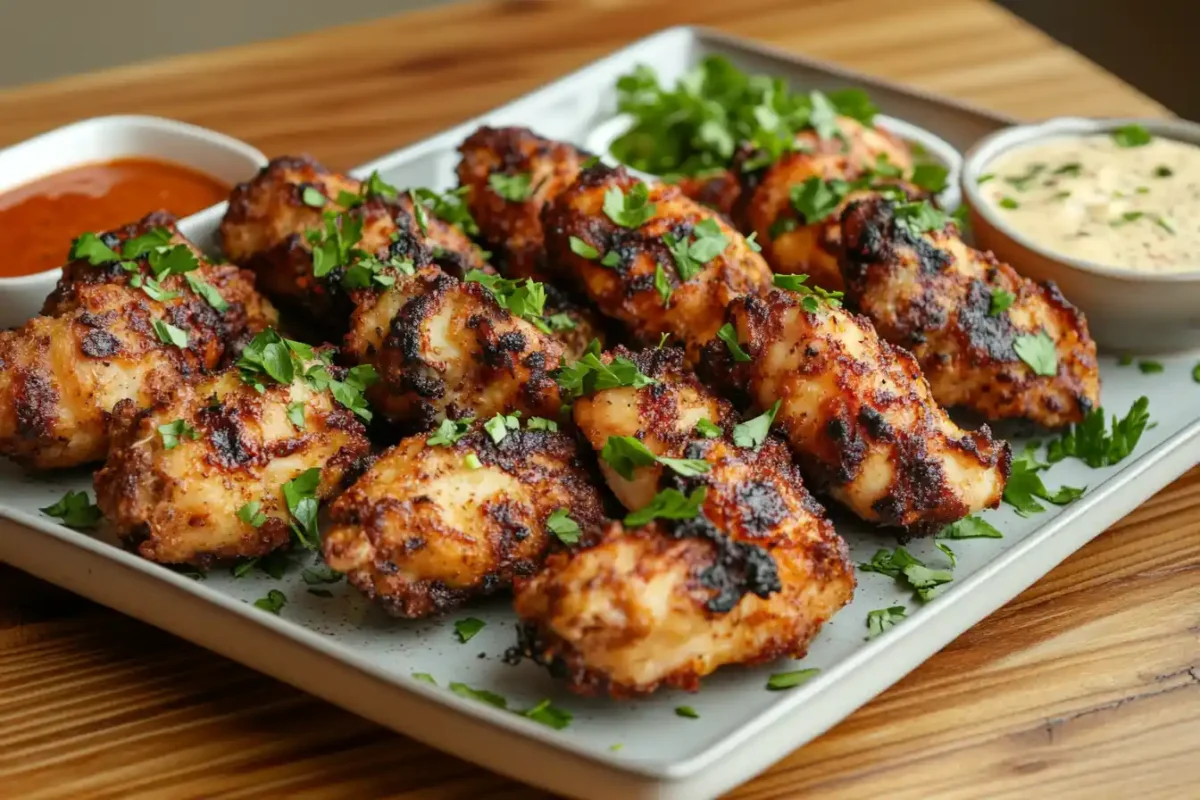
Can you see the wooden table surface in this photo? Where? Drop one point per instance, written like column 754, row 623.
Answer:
column 1087, row 685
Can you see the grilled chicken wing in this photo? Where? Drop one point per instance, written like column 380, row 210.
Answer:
column 270, row 219
column 424, row 529
column 176, row 497
column 933, row 295
column 754, row 577
column 858, row 414
column 110, row 343
column 644, row 270
column 443, row 347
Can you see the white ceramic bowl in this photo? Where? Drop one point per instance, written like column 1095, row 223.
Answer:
column 1128, row 311
column 937, row 148
column 104, row 139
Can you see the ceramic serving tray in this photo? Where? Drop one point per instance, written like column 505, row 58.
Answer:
column 333, row 644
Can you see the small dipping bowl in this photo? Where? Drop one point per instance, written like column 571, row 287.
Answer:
column 103, row 139
column 1128, row 311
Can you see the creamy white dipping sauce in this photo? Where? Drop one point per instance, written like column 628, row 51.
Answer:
column 1092, row 198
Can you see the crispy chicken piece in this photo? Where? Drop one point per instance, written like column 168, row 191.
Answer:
column 180, row 505
column 424, row 531
column 753, row 578
column 268, row 222
column 444, row 348
column 933, row 295
column 513, row 227
column 791, row 243
column 858, row 414
column 113, row 344
column 245, row 312
column 632, row 290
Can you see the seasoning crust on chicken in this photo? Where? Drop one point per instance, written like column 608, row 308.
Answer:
column 425, row 530
column 235, row 446
column 632, row 290
column 859, row 415
column 445, row 348
column 753, row 577
column 930, row 293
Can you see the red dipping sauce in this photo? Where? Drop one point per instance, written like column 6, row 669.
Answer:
column 38, row 221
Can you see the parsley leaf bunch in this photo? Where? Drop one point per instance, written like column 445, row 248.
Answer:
column 903, row 565
column 521, row 298
column 1025, row 486
column 811, row 296
column 333, row 245
column 626, row 453
column 1091, row 443
column 450, row 206
column 269, row 355
column 591, row 374
column 707, row 243
column 669, row 504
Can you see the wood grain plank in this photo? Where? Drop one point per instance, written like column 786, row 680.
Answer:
column 1086, row 685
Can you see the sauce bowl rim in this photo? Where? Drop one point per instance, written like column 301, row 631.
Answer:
column 987, row 149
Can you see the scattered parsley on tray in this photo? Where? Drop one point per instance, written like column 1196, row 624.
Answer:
column 882, row 619
column 274, row 602
column 466, row 628
column 1097, row 446
column 74, row 510
column 686, row 711
column 549, row 715
column 790, row 680
column 482, row 695
column 970, row 528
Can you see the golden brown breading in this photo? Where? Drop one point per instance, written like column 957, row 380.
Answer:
column 932, row 294
column 247, row 312
column 266, row 227
column 790, row 243
column 62, row 376
column 443, row 347
column 513, row 228
column 628, row 291
column 752, row 579
column 422, row 531
column 858, row 414
column 180, row 505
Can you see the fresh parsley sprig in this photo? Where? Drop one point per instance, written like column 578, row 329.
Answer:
column 591, row 374
column 626, row 453
column 1097, row 447
column 812, row 297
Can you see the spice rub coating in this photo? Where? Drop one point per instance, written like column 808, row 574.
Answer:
column 444, row 348
column 858, row 414
column 944, row 301
column 180, row 505
column 424, row 530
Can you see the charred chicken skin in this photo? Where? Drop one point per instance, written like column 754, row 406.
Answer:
column 188, row 479
column 649, row 257
column 444, row 347
column 858, row 413
column 110, row 343
column 430, row 525
column 752, row 578
column 945, row 302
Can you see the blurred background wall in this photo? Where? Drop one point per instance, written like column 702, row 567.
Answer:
column 1149, row 43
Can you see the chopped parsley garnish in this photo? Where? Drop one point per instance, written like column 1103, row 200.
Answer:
column 1196, row 373
column 169, row 334
column 616, row 747
column 242, row 568
column 753, row 432
column 920, row 217
column 686, row 711
column 728, row 335
column 449, row 207
column 1126, row 218
column 295, row 414
column 669, row 504
column 449, row 431
column 471, row 461
column 582, row 249
column 312, row 196
column 273, row 602
column 984, row 178
column 562, row 526
column 707, row 243
column 816, row 199
column 1038, row 352
column 1150, row 367
column 629, row 210
column 375, row 186
column 970, row 528
column 882, row 619
column 1125, row 360
column 482, row 695
column 710, row 430
column 1009, row 203
column 626, row 453
column 1131, row 136
column 945, row 548
column 152, row 288
column 172, row 432
column 269, row 355
column 465, row 629
column 424, row 677
column 812, row 296
column 662, row 285
column 300, row 495
column 1001, row 300
column 207, row 291
column 513, row 188
column 521, row 298
column 541, row 424
column 251, row 515
column 1163, row 171
column 549, row 715
column 903, row 565
column 369, row 271
column 1025, row 487
column 790, row 680
column 1021, row 182
column 90, row 246
column 74, row 510
column 1071, row 169
column 930, row 177
column 590, row 374
column 1092, row 443
column 1164, row 223
column 320, row 573
column 334, row 245
column 498, row 426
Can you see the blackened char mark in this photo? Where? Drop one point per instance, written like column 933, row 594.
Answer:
column 741, row 568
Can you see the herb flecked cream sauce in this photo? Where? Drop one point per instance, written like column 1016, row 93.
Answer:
column 1125, row 199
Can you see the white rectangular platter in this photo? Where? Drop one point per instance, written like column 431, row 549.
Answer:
column 347, row 652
